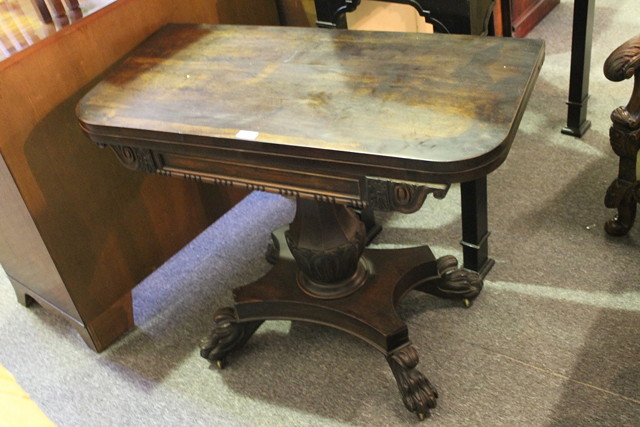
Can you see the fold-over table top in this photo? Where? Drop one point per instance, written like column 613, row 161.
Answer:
column 444, row 106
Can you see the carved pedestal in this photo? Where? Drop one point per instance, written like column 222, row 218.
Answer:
column 328, row 277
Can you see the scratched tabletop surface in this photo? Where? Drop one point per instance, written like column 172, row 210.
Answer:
column 425, row 97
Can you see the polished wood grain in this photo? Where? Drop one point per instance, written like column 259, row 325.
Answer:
column 339, row 120
column 78, row 231
column 380, row 104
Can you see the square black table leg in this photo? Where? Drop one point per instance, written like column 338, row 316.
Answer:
column 475, row 233
column 577, row 123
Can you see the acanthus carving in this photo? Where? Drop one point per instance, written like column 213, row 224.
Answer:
column 617, row 192
column 401, row 196
column 623, row 64
column 623, row 196
column 624, row 192
column 227, row 335
column 626, row 117
column 330, row 265
column 624, row 143
column 135, row 158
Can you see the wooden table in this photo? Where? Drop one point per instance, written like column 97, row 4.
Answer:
column 340, row 120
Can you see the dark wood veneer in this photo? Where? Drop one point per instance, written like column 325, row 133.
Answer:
column 339, row 120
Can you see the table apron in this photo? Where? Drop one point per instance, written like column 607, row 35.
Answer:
column 351, row 188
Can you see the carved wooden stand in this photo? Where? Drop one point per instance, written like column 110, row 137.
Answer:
column 624, row 192
column 328, row 277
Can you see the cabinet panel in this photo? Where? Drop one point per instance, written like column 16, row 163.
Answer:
column 525, row 14
column 77, row 230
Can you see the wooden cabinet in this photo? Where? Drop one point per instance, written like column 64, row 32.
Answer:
column 518, row 17
column 78, row 231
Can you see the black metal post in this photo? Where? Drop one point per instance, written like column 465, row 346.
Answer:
column 577, row 123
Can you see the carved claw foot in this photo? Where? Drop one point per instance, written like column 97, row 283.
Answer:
column 456, row 283
column 623, row 196
column 616, row 227
column 227, row 335
column 418, row 395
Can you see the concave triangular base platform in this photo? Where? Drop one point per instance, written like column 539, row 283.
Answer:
column 368, row 313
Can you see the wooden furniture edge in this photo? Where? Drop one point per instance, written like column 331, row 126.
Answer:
column 35, row 82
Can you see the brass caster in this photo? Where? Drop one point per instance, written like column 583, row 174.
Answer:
column 467, row 302
column 421, row 416
column 221, row 363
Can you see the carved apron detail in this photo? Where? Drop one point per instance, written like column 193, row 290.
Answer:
column 400, row 196
column 138, row 159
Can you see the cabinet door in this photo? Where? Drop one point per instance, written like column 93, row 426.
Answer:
column 525, row 14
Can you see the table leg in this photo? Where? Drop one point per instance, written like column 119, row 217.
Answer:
column 328, row 277
column 475, row 233
column 577, row 123
column 368, row 217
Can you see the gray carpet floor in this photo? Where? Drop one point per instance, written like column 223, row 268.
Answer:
column 553, row 340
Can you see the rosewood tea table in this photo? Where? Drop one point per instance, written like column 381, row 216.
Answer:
column 341, row 121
